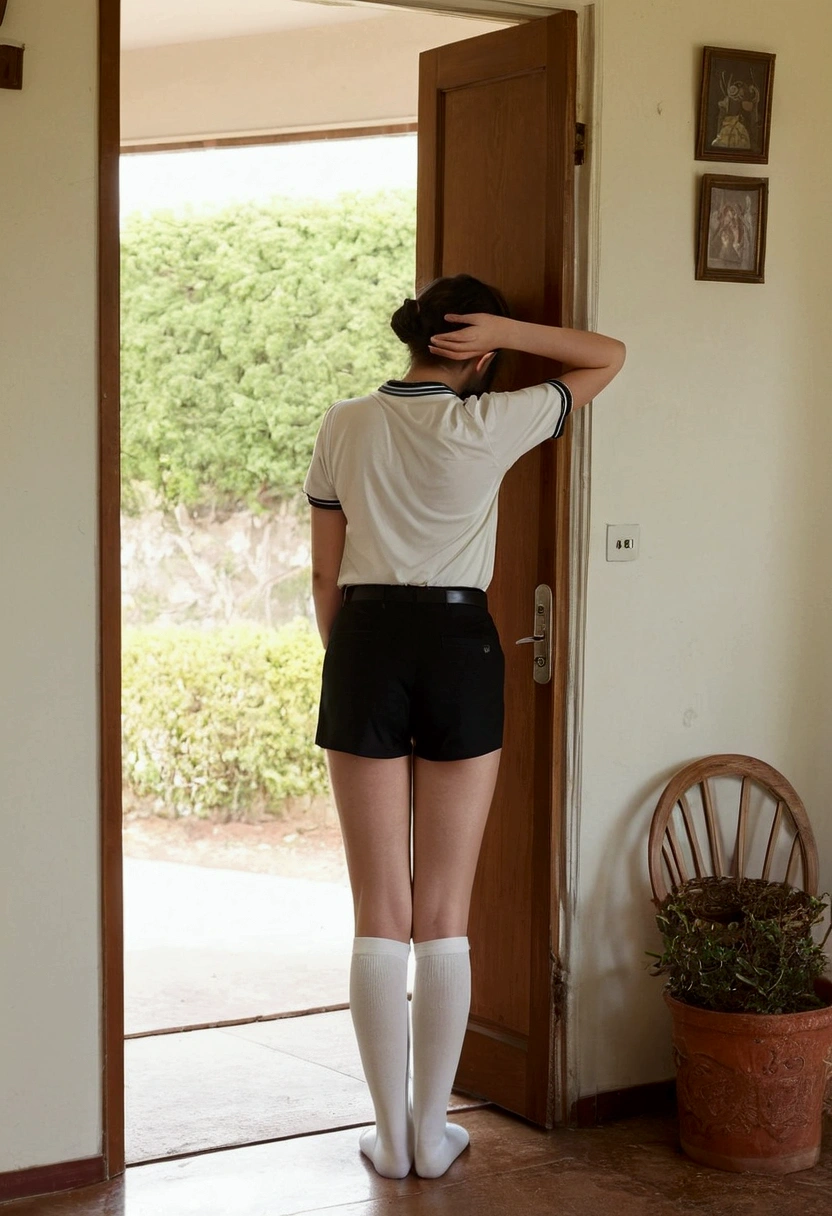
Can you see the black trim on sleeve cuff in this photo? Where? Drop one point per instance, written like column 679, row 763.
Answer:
column 566, row 410
column 326, row 504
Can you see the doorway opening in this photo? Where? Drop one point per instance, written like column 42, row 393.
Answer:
column 257, row 281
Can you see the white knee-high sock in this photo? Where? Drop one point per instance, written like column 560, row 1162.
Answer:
column 379, row 1009
column 441, row 1001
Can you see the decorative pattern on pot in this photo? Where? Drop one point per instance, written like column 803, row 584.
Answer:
column 717, row 1098
column 751, row 1087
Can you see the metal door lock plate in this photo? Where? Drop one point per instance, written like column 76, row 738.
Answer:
column 541, row 639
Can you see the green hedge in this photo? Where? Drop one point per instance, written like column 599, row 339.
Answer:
column 222, row 720
column 241, row 326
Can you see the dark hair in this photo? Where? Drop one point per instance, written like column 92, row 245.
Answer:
column 416, row 321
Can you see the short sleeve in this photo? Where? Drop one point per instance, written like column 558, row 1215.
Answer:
column 518, row 421
column 318, row 485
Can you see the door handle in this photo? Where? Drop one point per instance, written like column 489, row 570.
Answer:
column 541, row 639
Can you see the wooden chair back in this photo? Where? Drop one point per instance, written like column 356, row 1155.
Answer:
column 726, row 816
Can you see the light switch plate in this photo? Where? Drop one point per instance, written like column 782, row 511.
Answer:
column 623, row 542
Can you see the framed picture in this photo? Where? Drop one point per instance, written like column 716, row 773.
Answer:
column 732, row 229
column 735, row 106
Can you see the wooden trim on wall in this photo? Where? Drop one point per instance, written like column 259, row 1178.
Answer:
column 47, row 1179
column 277, row 137
column 657, row 1097
column 109, row 591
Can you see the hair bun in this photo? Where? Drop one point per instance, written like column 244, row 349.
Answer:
column 406, row 322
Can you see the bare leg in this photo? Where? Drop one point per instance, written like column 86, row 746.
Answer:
column 451, row 804
column 451, row 801
column 373, row 801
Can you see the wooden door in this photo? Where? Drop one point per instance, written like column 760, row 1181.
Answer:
column 495, row 199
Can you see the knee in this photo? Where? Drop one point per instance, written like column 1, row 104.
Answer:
column 429, row 924
column 383, row 918
column 379, row 927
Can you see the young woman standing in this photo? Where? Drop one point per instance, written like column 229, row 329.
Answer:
column 403, row 484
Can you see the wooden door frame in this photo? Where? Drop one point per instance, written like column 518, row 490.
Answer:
column 109, row 591
column 571, row 526
column 587, row 246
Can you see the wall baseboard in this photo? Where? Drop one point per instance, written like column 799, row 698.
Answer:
column 595, row 1109
column 48, row 1179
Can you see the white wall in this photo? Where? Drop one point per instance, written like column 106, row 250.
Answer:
column 355, row 74
column 715, row 440
column 50, row 1057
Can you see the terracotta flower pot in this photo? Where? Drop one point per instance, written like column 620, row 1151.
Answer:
column 750, row 1086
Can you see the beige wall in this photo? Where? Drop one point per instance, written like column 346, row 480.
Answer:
column 49, row 889
column 363, row 72
column 715, row 439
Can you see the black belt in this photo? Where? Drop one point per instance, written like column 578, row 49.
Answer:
column 431, row 595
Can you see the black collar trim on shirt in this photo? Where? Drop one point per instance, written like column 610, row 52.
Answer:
column 415, row 388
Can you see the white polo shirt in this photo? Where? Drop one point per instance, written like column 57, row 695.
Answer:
column 417, row 470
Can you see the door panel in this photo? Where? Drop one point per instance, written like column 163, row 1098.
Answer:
column 495, row 197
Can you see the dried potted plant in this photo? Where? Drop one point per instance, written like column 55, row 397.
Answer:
column 752, row 1021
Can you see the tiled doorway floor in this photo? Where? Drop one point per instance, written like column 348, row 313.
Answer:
column 209, row 1089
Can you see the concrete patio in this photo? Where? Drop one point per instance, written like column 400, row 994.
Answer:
column 211, row 945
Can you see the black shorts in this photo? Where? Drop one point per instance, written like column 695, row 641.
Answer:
column 404, row 677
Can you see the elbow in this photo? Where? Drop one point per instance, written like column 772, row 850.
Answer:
column 322, row 580
column 615, row 361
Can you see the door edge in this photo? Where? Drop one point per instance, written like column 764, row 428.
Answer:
column 585, row 302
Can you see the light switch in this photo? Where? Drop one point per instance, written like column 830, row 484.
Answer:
column 622, row 542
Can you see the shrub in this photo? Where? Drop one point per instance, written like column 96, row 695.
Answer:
column 221, row 720
column 241, row 326
column 741, row 945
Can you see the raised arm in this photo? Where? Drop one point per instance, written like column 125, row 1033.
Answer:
column 590, row 360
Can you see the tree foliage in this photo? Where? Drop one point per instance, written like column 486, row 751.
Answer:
column 240, row 327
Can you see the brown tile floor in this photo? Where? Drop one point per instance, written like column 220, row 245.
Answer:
column 631, row 1168
column 202, row 1089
